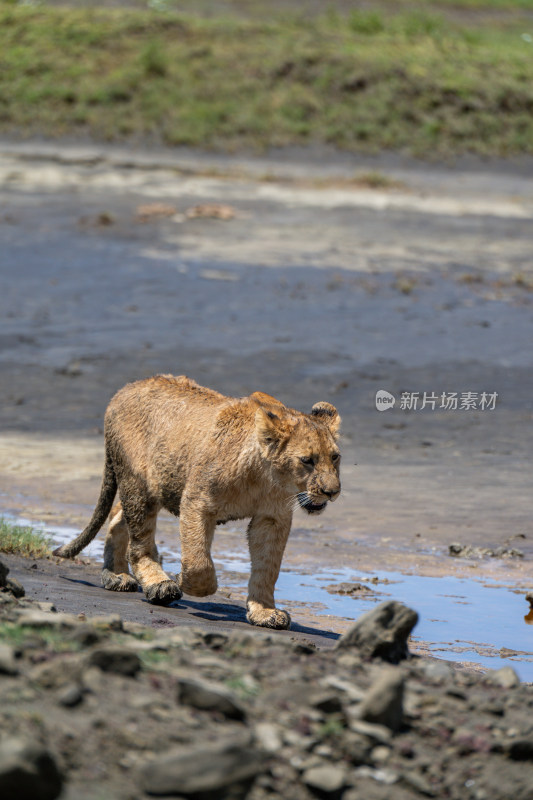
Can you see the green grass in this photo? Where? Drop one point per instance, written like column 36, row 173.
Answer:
column 54, row 640
column 416, row 81
column 23, row 540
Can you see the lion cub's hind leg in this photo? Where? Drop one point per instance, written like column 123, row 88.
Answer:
column 115, row 574
column 156, row 584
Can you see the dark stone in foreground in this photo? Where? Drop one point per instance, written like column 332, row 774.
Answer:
column 203, row 696
column 28, row 772
column 223, row 770
column 10, row 584
column 115, row 659
column 383, row 704
column 382, row 632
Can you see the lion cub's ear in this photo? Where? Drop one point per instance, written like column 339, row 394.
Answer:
column 269, row 427
column 329, row 415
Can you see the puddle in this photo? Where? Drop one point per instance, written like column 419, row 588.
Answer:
column 484, row 622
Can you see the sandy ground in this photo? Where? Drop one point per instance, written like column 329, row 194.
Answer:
column 314, row 289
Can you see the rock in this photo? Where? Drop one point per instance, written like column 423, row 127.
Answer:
column 505, row 677
column 107, row 622
column 268, row 736
column 349, row 588
column 7, row 660
column 46, row 619
column 28, row 771
column 469, row 551
column 521, row 749
column 209, row 697
column 115, row 659
column 85, row 635
column 374, row 732
column 70, row 696
column 436, row 671
column 10, row 584
column 325, row 781
column 383, row 705
column 16, row 588
column 382, row 632
column 327, row 702
column 60, row 671
column 211, row 771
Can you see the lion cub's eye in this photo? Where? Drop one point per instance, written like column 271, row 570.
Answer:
column 307, row 460
column 335, row 457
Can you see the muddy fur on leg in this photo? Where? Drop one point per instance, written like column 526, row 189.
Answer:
column 164, row 593
column 115, row 574
column 268, row 617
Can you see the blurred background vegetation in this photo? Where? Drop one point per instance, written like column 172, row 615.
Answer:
column 433, row 78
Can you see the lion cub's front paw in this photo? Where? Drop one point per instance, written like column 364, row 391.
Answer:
column 269, row 617
column 164, row 593
column 118, row 582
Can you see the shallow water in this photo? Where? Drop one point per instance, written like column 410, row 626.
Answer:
column 460, row 619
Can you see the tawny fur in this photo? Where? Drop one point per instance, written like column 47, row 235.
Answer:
column 170, row 443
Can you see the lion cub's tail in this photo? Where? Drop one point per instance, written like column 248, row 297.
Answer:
column 100, row 514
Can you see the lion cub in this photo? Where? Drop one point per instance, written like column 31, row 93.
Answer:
column 207, row 458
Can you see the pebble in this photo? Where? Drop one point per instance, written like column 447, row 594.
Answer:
column 327, row 780
column 268, row 736
column 70, row 696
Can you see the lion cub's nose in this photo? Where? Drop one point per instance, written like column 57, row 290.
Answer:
column 331, row 495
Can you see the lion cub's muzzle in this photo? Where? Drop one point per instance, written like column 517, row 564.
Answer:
column 313, row 504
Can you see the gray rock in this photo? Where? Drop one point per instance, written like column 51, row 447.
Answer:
column 209, row 697
column 436, row 671
column 30, row 618
column 60, row 671
column 223, row 770
column 325, row 781
column 4, row 571
column 119, row 660
column 10, row 584
column 268, row 736
column 505, row 677
column 383, row 705
column 16, row 588
column 8, row 665
column 28, row 771
column 84, row 634
column 382, row 632
column 70, row 696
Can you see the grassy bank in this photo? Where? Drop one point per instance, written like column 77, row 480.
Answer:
column 362, row 80
column 23, row 540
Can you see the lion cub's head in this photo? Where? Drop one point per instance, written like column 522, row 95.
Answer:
column 303, row 451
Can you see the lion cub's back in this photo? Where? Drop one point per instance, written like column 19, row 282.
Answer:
column 145, row 412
